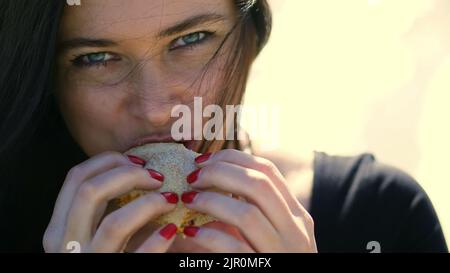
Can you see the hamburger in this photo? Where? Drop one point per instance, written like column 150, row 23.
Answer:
column 175, row 162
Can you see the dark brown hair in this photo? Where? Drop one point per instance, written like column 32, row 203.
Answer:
column 252, row 31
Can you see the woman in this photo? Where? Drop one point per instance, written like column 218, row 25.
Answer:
column 80, row 85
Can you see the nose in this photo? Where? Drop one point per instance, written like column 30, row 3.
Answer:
column 154, row 95
column 157, row 115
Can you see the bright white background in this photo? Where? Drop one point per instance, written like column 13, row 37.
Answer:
column 354, row 76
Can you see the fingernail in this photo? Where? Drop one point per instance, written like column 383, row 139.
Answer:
column 188, row 197
column 191, row 178
column 136, row 160
column 191, row 231
column 168, row 231
column 202, row 158
column 156, row 175
column 171, row 197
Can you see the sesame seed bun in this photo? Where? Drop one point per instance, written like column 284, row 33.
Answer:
column 175, row 162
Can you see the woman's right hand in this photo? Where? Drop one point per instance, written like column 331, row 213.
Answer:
column 83, row 199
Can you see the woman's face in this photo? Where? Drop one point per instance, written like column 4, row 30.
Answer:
column 124, row 64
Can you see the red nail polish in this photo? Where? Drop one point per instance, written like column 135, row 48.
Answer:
column 168, row 231
column 188, row 197
column 171, row 197
column 136, row 160
column 156, row 175
column 202, row 158
column 191, row 178
column 191, row 231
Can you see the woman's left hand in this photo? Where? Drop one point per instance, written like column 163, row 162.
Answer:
column 272, row 219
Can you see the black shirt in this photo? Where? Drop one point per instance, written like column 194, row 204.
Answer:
column 357, row 200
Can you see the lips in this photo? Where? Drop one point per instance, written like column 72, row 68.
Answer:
column 189, row 144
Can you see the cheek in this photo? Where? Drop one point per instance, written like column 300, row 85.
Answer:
column 211, row 84
column 214, row 82
column 90, row 117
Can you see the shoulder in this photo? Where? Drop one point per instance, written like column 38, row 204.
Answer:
column 362, row 198
column 362, row 178
column 363, row 173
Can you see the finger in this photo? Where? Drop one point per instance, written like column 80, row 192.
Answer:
column 226, row 228
column 160, row 240
column 216, row 241
column 250, row 221
column 255, row 186
column 257, row 163
column 89, row 168
column 93, row 195
column 120, row 225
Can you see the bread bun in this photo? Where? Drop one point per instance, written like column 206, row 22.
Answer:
column 175, row 162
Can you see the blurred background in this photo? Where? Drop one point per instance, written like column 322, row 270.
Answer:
column 353, row 76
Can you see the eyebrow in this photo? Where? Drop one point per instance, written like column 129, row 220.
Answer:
column 191, row 23
column 85, row 42
column 178, row 28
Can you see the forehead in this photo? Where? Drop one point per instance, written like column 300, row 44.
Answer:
column 134, row 18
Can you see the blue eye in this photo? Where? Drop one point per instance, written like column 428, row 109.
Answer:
column 98, row 58
column 190, row 39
